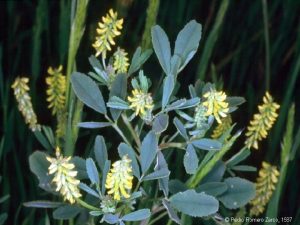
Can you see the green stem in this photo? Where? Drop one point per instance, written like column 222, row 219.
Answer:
column 158, row 218
column 203, row 171
column 132, row 131
column 152, row 12
column 267, row 43
column 172, row 145
column 77, row 30
column 115, row 126
column 173, row 137
column 211, row 40
column 86, row 205
column 169, row 222
column 71, row 221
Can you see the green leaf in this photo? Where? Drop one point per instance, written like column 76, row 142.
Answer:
column 3, row 218
column 138, row 60
column 169, row 84
column 100, row 75
column 190, row 160
column 244, row 168
column 215, row 174
column 238, row 157
column 148, row 151
column 235, row 101
column 96, row 213
column 80, row 166
column 161, row 47
column 175, row 65
column 176, row 186
column 207, row 144
column 239, row 193
column 175, row 105
column 92, row 171
column 137, row 215
column 99, row 78
column 95, row 64
column 117, row 103
column 49, row 135
column 88, row 92
column 161, row 173
column 213, row 188
column 94, row 125
column 39, row 166
column 161, row 163
column 125, row 149
column 160, row 123
column 66, row 212
column 111, row 219
column 104, row 174
column 43, row 140
column 4, row 198
column 118, row 89
column 187, row 41
column 100, row 151
column 180, row 127
column 42, row 204
column 190, row 103
column 87, row 189
column 194, row 204
column 171, row 212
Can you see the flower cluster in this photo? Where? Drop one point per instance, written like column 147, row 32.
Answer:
column 222, row 127
column 120, row 61
column 21, row 90
column 265, row 185
column 64, row 176
column 107, row 31
column 200, row 117
column 262, row 121
column 119, row 179
column 56, row 82
column 141, row 102
column 108, row 205
column 216, row 104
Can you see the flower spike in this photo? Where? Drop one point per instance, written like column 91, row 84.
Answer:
column 262, row 121
column 216, row 104
column 119, row 179
column 107, row 31
column 21, row 89
column 265, row 185
column 64, row 176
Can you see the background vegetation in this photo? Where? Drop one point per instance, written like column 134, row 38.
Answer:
column 247, row 47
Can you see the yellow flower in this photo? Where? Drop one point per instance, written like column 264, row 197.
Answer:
column 222, row 127
column 64, row 176
column 107, row 31
column 56, row 89
column 265, row 185
column 262, row 121
column 119, row 179
column 24, row 102
column 216, row 104
column 140, row 102
column 121, row 61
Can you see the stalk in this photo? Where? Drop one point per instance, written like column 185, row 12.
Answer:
column 132, row 131
column 286, row 148
column 203, row 171
column 152, row 12
column 267, row 43
column 77, row 30
column 211, row 40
